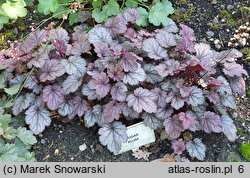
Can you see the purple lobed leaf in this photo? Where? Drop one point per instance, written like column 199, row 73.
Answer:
column 53, row 95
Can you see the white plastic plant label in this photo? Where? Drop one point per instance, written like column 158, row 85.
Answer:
column 138, row 135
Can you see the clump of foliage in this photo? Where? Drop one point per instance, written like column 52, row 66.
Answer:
column 115, row 72
column 244, row 149
column 15, row 140
column 78, row 11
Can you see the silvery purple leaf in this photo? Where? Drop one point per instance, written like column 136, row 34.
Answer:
column 115, row 26
column 228, row 101
column 128, row 111
column 129, row 15
column 37, row 118
column 178, row 146
column 188, row 119
column 173, row 126
column 142, row 99
column 154, row 50
column 196, row 149
column 227, row 56
column 167, row 67
column 59, row 34
column 74, row 65
column 99, row 35
column 112, row 111
column 187, row 39
column 72, row 83
column 32, row 83
column 176, row 100
column 17, row 80
column 151, row 121
column 213, row 97
column 172, row 27
column 129, row 61
column 159, row 97
column 134, row 77
column 102, row 50
column 80, row 47
column 100, row 82
column 51, row 70
column 94, row 116
column 164, row 113
column 22, row 102
column 39, row 57
column 238, row 85
column 211, row 122
column 53, row 95
column 152, row 75
column 115, row 71
column 90, row 93
column 228, row 127
column 34, row 39
column 113, row 135
column 66, row 108
column 165, row 39
column 79, row 107
column 118, row 91
column 195, row 96
column 234, row 69
column 203, row 52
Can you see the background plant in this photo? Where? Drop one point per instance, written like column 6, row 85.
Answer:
column 79, row 10
column 115, row 72
column 15, row 139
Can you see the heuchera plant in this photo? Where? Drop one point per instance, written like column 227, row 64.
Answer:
column 115, row 72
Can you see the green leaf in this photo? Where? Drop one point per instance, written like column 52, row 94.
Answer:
column 99, row 15
column 5, row 120
column 112, row 8
column 158, row 14
column 15, row 9
column 47, row 6
column 29, row 2
column 12, row 90
column 26, row 136
column 59, row 12
column 10, row 154
column 3, row 20
column 131, row 3
column 73, row 18
column 9, row 133
column 97, row 4
column 143, row 21
column 245, row 151
column 2, row 82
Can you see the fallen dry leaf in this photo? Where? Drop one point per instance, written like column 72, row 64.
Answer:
column 187, row 136
column 140, row 154
column 166, row 158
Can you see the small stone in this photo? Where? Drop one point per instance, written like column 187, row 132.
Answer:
column 83, row 147
column 42, row 141
column 60, row 131
column 40, row 135
column 15, row 31
column 213, row 1
column 235, row 115
column 230, row 7
column 56, row 152
column 210, row 34
column 72, row 158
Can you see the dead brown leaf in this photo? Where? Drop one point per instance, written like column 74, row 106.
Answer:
column 166, row 158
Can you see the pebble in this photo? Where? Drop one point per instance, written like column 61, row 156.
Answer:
column 230, row 7
column 235, row 115
column 83, row 147
column 42, row 141
column 60, row 131
column 210, row 34
column 217, row 44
